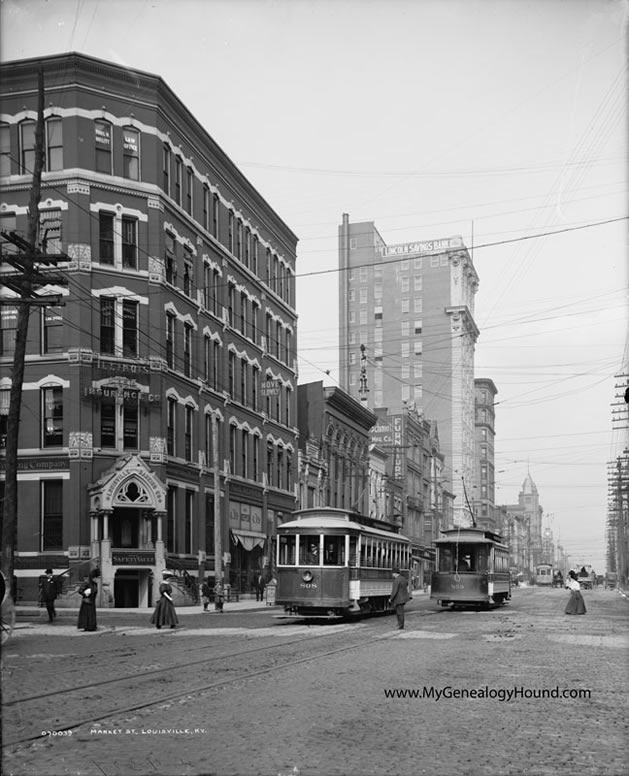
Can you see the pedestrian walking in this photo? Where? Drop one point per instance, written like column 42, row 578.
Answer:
column 48, row 594
column 206, row 593
column 219, row 596
column 260, row 587
column 399, row 596
column 88, row 592
column 576, row 604
column 165, row 613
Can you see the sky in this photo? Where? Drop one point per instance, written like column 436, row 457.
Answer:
column 503, row 121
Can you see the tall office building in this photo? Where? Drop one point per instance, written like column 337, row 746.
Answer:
column 408, row 336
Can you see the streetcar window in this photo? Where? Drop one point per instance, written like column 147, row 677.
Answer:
column 353, row 541
column 445, row 559
column 334, row 550
column 483, row 558
column 287, row 551
column 309, row 549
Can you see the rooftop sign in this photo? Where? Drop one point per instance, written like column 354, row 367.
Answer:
column 426, row 246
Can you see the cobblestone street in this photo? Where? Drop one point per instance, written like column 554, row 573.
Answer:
column 261, row 695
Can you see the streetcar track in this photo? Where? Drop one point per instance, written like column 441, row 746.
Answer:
column 189, row 691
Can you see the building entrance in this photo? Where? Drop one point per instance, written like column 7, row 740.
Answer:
column 132, row 588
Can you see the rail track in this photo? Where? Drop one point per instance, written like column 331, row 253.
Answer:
column 24, row 711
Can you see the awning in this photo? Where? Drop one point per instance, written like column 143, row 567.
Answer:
column 248, row 539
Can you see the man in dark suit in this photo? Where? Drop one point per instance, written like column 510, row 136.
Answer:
column 48, row 594
column 399, row 596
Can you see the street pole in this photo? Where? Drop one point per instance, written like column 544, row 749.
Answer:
column 27, row 260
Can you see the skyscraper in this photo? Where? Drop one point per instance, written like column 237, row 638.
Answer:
column 411, row 305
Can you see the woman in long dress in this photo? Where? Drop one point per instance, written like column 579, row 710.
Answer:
column 576, row 604
column 165, row 613
column 87, row 612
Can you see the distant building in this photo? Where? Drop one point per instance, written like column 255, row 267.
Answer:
column 159, row 404
column 334, row 446
column 522, row 524
column 484, row 486
column 411, row 306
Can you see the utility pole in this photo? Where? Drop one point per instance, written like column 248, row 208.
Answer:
column 25, row 283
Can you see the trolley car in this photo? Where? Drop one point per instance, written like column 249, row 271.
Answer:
column 472, row 569
column 337, row 563
column 544, row 574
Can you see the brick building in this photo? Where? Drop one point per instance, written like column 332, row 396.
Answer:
column 159, row 404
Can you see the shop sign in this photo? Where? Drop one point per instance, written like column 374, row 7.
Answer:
column 132, row 558
column 425, row 246
column 270, row 388
column 38, row 464
column 234, row 515
column 245, row 517
column 40, row 562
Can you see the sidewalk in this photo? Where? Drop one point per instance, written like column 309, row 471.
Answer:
column 182, row 611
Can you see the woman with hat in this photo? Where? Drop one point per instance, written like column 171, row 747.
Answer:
column 576, row 604
column 165, row 613
column 87, row 612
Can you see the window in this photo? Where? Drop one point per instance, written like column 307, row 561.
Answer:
column 102, row 142
column 8, row 326
column 230, row 304
column 50, row 231
column 5, row 150
column 232, row 374
column 188, row 273
column 404, row 305
column 187, row 349
column 129, row 243
column 171, row 516
column 27, row 147
column 106, row 238
column 215, row 215
column 54, row 144
column 178, row 180
column 418, row 347
column 189, row 509
column 247, row 246
column 166, row 162
column 189, row 189
column 243, row 381
column 131, row 153
column 309, row 549
column 244, row 453
column 107, row 325
column 52, row 416
column 188, row 432
column 244, row 301
column 171, row 259
column 230, row 232
column 170, row 340
column 108, row 420
column 405, row 328
column 254, row 323
column 334, row 550
column 418, row 283
column 130, row 415
column 52, row 330
column 5, row 399
column 239, row 239
column 129, row 328
column 51, row 515
column 255, row 386
column 171, row 418
column 254, row 255
column 418, row 303
column 206, row 207
column 405, row 284
column 233, row 441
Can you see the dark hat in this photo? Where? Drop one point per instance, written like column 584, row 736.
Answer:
column 48, row 571
column 395, row 570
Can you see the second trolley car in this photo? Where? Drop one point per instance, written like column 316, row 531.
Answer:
column 336, row 563
column 472, row 569
column 544, row 575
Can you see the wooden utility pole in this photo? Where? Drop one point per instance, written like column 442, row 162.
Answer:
column 25, row 283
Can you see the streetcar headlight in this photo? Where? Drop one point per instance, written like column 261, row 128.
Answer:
column 307, row 576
